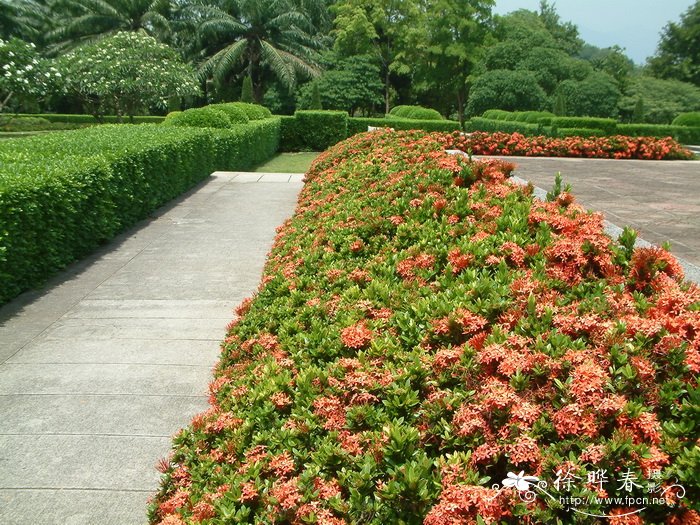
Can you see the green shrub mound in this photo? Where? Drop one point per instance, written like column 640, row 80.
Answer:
column 254, row 111
column 235, row 114
column 415, row 113
column 206, row 117
column 607, row 125
column 424, row 331
column 691, row 119
column 497, row 114
column 62, row 194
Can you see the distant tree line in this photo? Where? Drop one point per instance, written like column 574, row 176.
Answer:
column 363, row 56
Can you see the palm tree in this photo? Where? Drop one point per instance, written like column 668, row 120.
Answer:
column 25, row 19
column 252, row 37
column 82, row 21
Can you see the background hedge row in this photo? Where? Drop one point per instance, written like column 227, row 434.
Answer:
column 531, row 123
column 62, row 194
column 319, row 130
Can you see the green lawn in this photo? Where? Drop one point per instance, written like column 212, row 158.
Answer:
column 288, row 163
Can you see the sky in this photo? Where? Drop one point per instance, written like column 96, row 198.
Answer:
column 632, row 24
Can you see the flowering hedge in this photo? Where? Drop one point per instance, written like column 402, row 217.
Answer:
column 426, row 341
column 616, row 147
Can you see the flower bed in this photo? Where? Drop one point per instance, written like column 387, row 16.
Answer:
column 427, row 340
column 615, row 147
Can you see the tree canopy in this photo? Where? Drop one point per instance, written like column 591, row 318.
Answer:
column 678, row 54
column 443, row 54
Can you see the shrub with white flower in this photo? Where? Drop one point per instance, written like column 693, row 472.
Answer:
column 24, row 75
column 127, row 73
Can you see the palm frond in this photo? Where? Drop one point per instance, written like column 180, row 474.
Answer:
column 224, row 61
column 280, row 67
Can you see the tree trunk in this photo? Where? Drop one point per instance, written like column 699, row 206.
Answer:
column 386, row 92
column 4, row 102
column 460, row 108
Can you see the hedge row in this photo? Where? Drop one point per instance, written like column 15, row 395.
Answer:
column 531, row 117
column 495, row 121
column 317, row 130
column 64, row 193
column 423, row 332
column 683, row 134
column 90, row 119
column 691, row 119
column 504, row 126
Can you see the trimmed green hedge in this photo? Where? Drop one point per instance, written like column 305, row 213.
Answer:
column 415, row 113
column 235, row 114
column 90, row 119
column 691, row 119
column 253, row 111
column 318, row 130
column 313, row 130
column 206, row 117
column 580, row 132
column 683, row 134
column 608, row 125
column 62, row 194
column 359, row 125
column 505, row 126
column 531, row 117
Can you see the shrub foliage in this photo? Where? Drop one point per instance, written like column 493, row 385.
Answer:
column 422, row 329
column 63, row 194
column 416, row 113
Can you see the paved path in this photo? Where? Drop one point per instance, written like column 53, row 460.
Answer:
column 659, row 199
column 99, row 369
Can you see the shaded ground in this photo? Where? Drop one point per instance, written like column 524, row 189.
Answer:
column 99, row 369
column 659, row 199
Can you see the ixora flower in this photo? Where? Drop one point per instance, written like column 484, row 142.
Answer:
column 409, row 372
column 520, row 481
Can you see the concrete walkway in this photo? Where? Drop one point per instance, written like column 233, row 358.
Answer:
column 659, row 199
column 99, row 369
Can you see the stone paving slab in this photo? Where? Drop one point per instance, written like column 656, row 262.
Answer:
column 659, row 199
column 100, row 367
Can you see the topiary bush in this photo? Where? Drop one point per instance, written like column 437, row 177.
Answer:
column 314, row 130
column 254, row 111
column 691, row 119
column 415, row 113
column 206, row 117
column 235, row 114
column 497, row 114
